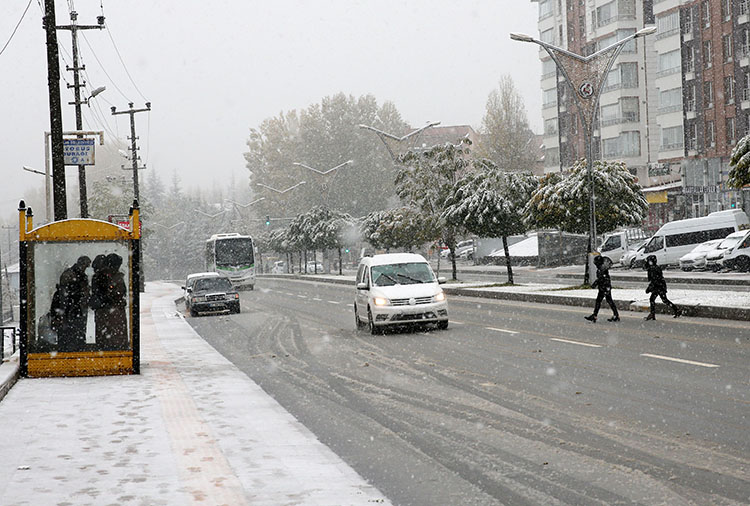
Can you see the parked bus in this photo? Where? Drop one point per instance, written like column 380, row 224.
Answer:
column 232, row 256
column 676, row 238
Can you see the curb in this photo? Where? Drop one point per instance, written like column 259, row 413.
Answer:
column 677, row 280
column 718, row 312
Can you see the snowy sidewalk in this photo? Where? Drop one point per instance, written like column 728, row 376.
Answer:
column 190, row 429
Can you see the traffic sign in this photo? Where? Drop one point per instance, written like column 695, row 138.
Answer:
column 78, row 151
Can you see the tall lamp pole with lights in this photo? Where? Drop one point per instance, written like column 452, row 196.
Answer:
column 586, row 76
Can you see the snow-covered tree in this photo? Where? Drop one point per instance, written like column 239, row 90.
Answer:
column 489, row 202
column 739, row 174
column 562, row 201
column 506, row 135
column 426, row 181
column 401, row 227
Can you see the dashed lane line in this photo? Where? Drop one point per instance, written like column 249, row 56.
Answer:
column 680, row 360
column 334, row 302
column 575, row 342
column 501, row 330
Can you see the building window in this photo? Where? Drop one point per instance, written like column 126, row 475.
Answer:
column 582, row 26
column 606, row 14
column 549, row 98
column 630, row 108
column 746, row 87
column 631, row 143
column 687, row 26
column 708, row 94
column 729, row 90
column 629, row 75
column 731, row 132
column 545, row 9
column 690, row 97
column 550, row 126
column 692, row 137
column 672, row 138
column 547, row 36
column 726, row 47
column 710, row 134
column 744, row 49
column 549, row 68
column 707, row 54
column 670, row 100
column 668, row 25
column 669, row 62
column 726, row 9
column 705, row 14
column 690, row 59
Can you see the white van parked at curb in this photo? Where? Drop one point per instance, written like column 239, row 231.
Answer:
column 398, row 289
column 676, row 238
column 738, row 256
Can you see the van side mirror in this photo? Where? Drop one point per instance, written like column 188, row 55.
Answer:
column 441, row 280
column 361, row 286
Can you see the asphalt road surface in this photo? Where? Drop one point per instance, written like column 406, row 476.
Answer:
column 515, row 403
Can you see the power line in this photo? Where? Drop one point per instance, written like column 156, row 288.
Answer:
column 16, row 28
column 109, row 32
column 104, row 69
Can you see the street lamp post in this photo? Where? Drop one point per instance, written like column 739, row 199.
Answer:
column 411, row 136
column 586, row 75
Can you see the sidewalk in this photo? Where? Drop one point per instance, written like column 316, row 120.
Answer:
column 730, row 305
column 190, row 429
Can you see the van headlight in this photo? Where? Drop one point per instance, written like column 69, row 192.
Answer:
column 439, row 297
column 381, row 301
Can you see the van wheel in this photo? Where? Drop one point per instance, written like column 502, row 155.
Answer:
column 443, row 325
column 357, row 322
column 374, row 330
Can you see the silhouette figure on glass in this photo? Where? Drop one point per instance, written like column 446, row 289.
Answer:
column 70, row 305
column 108, row 300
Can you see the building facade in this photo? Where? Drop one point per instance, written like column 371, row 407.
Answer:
column 673, row 105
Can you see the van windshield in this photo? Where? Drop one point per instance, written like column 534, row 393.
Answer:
column 655, row 244
column 401, row 274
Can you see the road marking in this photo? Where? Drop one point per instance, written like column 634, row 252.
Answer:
column 334, row 302
column 457, row 323
column 350, row 305
column 575, row 342
column 681, row 360
column 500, row 330
column 302, row 296
column 318, row 299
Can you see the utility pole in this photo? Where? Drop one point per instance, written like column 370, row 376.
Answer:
column 136, row 194
column 133, row 145
column 73, row 27
column 55, row 112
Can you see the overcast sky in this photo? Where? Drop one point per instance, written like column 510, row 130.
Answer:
column 213, row 70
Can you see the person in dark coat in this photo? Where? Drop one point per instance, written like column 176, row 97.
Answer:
column 604, row 284
column 109, row 302
column 657, row 287
column 70, row 304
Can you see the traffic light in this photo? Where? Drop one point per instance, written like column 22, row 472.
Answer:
column 268, row 220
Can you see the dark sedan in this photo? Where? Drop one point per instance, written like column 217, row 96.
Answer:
column 212, row 294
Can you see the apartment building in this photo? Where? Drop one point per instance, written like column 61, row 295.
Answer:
column 672, row 106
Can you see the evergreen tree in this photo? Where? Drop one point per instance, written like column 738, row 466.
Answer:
column 488, row 202
column 739, row 163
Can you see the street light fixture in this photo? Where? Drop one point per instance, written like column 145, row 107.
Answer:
column 280, row 191
column 586, row 75
column 385, row 135
column 243, row 206
column 47, row 191
column 210, row 215
column 323, row 173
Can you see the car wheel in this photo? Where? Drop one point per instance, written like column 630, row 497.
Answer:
column 193, row 313
column 357, row 322
column 252, row 287
column 743, row 263
column 374, row 330
column 632, row 263
column 443, row 325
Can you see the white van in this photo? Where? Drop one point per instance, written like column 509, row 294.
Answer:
column 398, row 289
column 676, row 238
column 616, row 244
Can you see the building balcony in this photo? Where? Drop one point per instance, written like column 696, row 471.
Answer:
column 615, row 19
column 669, row 109
column 668, row 33
column 744, row 16
column 675, row 146
column 668, row 72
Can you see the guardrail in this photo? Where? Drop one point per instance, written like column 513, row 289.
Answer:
column 13, row 331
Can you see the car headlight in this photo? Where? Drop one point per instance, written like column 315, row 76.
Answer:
column 381, row 301
column 199, row 298
column 440, row 297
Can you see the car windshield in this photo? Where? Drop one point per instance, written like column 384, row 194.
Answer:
column 706, row 246
column 218, row 284
column 729, row 242
column 402, row 274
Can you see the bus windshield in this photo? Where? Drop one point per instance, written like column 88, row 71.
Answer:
column 234, row 252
